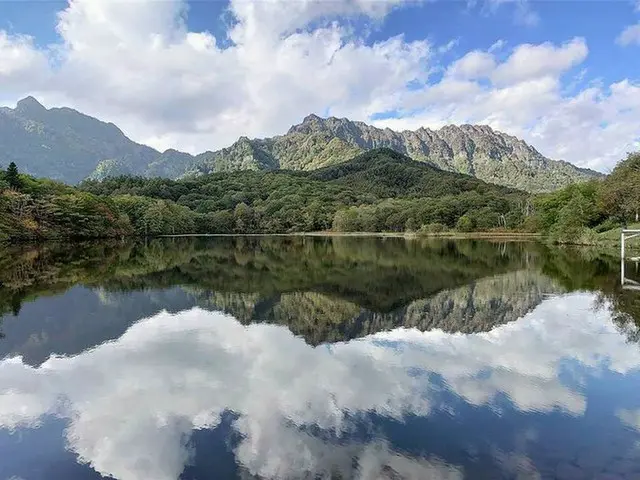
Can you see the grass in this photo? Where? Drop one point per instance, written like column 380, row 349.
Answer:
column 610, row 239
column 613, row 235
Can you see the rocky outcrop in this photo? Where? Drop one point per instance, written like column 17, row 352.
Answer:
column 475, row 150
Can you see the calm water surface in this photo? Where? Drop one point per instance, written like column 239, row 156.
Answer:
column 287, row 358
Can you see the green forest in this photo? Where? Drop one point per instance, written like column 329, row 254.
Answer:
column 378, row 191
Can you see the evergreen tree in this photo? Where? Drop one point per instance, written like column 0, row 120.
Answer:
column 12, row 176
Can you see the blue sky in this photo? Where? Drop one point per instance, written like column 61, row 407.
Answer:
column 474, row 26
column 197, row 75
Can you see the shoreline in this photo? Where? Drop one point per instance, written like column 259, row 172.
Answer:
column 413, row 235
column 608, row 244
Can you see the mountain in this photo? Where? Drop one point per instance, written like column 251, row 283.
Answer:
column 475, row 150
column 66, row 145
column 63, row 144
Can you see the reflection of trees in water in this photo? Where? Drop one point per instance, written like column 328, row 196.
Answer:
column 592, row 270
column 481, row 305
column 625, row 309
column 382, row 274
column 329, row 288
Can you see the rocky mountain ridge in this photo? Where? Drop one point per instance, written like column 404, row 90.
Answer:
column 475, row 150
column 66, row 145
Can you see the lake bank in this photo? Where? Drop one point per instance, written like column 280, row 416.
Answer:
column 440, row 235
column 608, row 242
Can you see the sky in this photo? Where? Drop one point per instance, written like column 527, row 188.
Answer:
column 562, row 75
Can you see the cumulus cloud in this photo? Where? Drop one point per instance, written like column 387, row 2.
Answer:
column 524, row 96
column 177, row 373
column 138, row 65
column 473, row 65
column 20, row 63
column 630, row 35
column 530, row 62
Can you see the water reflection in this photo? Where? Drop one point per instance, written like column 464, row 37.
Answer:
column 498, row 370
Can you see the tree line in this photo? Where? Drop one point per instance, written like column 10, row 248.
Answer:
column 582, row 211
column 378, row 191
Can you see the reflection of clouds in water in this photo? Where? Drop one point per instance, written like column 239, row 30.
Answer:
column 133, row 402
column 524, row 358
column 279, row 452
column 631, row 418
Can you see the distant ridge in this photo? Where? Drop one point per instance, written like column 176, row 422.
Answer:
column 66, row 145
column 475, row 150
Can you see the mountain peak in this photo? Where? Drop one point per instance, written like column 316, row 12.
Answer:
column 311, row 118
column 310, row 123
column 29, row 104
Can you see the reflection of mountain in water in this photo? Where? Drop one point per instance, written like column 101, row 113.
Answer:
column 476, row 307
column 51, row 290
column 83, row 318
column 323, row 289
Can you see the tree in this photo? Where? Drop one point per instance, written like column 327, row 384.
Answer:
column 572, row 219
column 346, row 220
column 13, row 176
column 244, row 218
column 465, row 224
column 619, row 194
column 411, row 225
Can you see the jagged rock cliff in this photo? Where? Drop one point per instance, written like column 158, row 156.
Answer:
column 475, row 150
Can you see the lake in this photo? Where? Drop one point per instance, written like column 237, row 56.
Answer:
column 303, row 357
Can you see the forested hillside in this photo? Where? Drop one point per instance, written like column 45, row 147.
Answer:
column 588, row 212
column 31, row 208
column 380, row 190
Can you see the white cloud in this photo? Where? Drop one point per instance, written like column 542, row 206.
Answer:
column 525, row 97
column 630, row 35
column 529, row 62
column 497, row 46
column 20, row 63
column 177, row 373
column 473, row 65
column 138, row 65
